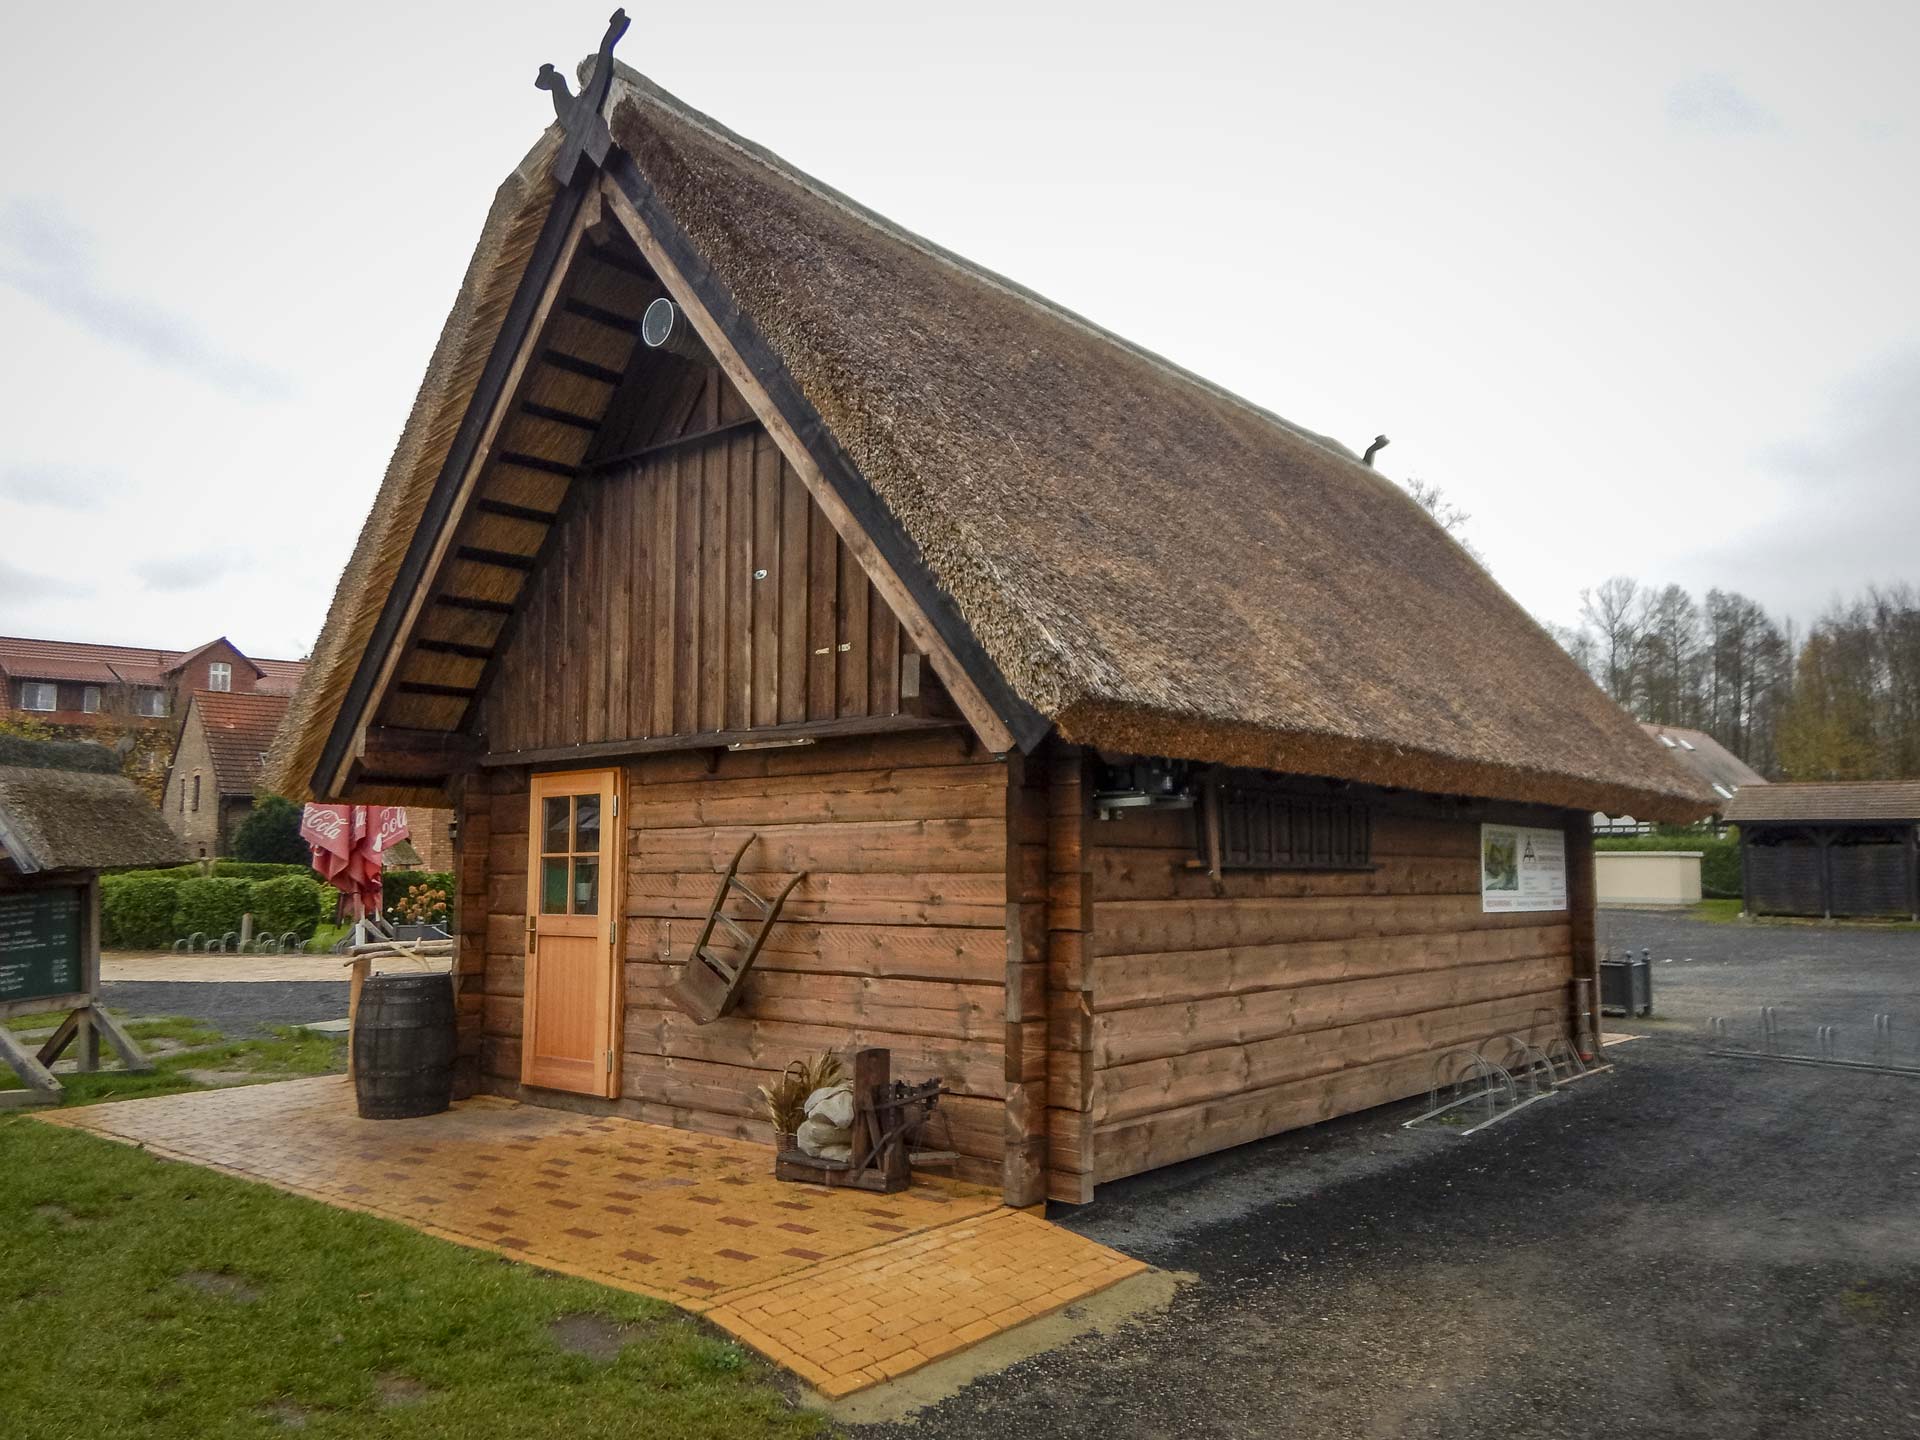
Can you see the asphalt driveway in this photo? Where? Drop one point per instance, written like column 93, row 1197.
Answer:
column 1689, row 1246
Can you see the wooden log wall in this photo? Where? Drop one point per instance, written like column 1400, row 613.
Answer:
column 697, row 591
column 896, row 938
column 1222, row 1012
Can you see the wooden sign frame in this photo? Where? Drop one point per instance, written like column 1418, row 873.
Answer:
column 86, row 1022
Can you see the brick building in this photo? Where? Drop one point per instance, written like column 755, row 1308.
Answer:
column 216, row 766
column 66, row 682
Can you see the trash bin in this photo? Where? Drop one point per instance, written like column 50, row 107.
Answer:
column 1626, row 985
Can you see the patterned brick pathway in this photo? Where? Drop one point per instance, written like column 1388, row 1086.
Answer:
column 844, row 1288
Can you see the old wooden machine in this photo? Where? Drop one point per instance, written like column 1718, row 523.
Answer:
column 888, row 1118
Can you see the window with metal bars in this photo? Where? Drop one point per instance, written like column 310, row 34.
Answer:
column 1257, row 827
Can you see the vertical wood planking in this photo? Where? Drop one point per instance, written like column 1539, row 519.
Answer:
column 796, row 515
column 690, row 540
column 646, row 621
column 850, row 678
column 766, row 592
column 823, row 589
column 712, row 566
column 737, row 455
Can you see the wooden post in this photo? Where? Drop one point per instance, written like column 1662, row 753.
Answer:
column 90, row 971
column 1746, row 872
column 1913, row 872
column 1581, row 890
column 1024, row 1162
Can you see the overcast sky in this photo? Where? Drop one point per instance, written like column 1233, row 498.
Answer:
column 1637, row 288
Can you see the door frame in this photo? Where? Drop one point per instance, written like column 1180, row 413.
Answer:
column 613, row 889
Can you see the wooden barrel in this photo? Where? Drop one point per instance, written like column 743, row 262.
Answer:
column 403, row 1046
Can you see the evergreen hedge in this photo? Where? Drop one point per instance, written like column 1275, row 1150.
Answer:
column 137, row 908
column 290, row 902
column 1719, row 855
column 211, row 906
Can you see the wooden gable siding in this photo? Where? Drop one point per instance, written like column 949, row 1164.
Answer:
column 1222, row 1012
column 650, row 616
column 897, row 937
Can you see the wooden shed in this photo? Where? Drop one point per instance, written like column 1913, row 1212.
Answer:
column 1843, row 848
column 1142, row 751
column 66, row 813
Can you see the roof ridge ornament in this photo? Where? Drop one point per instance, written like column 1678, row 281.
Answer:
column 579, row 115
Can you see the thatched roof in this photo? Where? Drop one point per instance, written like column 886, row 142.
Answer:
column 65, row 805
column 1827, row 802
column 1153, row 564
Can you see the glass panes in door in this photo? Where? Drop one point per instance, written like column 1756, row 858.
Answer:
column 570, row 855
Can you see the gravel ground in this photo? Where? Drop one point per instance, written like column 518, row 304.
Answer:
column 1688, row 1246
column 240, row 1010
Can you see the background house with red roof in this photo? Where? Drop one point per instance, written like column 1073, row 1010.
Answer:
column 224, row 737
column 127, row 697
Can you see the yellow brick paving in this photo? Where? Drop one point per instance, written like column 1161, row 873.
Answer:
column 845, row 1288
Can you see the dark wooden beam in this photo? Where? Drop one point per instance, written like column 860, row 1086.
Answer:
column 478, row 607
column 558, row 416
column 597, row 315
column 506, row 510
column 397, row 755
column 422, row 687
column 574, row 365
column 769, row 735
column 681, row 442
column 498, row 559
column 536, row 462
column 454, row 647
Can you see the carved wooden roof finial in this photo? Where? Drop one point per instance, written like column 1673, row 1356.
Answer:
column 579, row 115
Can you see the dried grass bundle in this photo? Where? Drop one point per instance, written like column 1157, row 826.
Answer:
column 786, row 1100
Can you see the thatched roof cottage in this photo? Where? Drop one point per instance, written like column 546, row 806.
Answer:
column 1137, row 744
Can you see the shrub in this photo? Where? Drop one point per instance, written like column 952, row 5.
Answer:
column 419, row 897
column 1719, row 855
column 271, row 834
column 252, row 870
column 427, row 899
column 137, row 908
column 289, row 902
column 212, row 906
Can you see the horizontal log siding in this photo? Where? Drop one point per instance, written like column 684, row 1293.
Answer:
column 1222, row 1012
column 896, row 938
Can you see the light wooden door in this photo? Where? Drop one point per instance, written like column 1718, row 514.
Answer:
column 569, row 1032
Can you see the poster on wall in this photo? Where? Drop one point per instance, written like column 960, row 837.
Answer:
column 1522, row 868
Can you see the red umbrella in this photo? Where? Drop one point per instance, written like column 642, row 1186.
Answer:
column 349, row 845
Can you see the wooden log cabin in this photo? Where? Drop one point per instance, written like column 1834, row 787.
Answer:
column 1135, row 743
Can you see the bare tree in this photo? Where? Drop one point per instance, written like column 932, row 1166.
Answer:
column 1616, row 611
column 1447, row 515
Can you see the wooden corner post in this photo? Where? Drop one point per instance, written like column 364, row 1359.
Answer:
column 1024, row 1164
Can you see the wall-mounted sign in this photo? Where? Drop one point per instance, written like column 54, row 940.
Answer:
column 39, row 944
column 1522, row 868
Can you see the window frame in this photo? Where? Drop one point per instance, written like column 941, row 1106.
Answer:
column 90, row 699
column 220, row 677
column 37, row 689
column 142, row 694
column 196, row 792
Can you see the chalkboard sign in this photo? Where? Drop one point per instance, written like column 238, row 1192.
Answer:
column 39, row 944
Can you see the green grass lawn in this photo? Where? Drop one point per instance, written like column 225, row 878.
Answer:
column 1727, row 912
column 289, row 1053
column 142, row 1297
